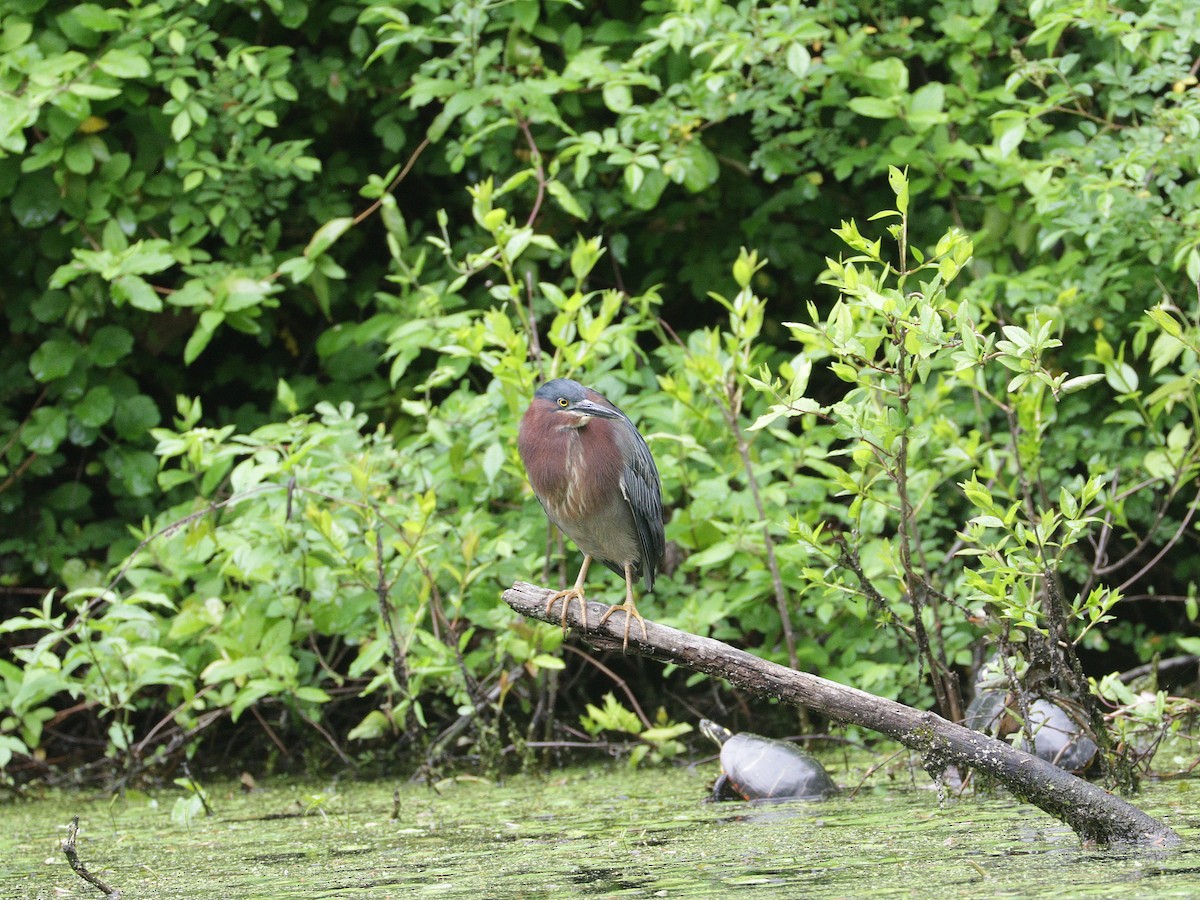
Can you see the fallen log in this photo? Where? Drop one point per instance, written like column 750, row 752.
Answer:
column 1094, row 814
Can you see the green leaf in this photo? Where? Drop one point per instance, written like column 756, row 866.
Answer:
column 95, row 407
column 327, row 235
column 79, row 159
column 1188, row 644
column 54, row 359
column 45, row 429
column 93, row 91
column 297, row 268
column 123, row 64
column 133, row 470
column 1165, row 321
column 69, row 497
column 109, row 345
column 310, row 694
column 228, row 669
column 181, row 127
column 565, row 199
column 1019, row 336
column 209, row 321
column 374, row 725
column 456, row 105
column 1122, row 377
column 898, row 182
column 650, row 186
column 426, row 90
column 698, row 168
column 1079, row 382
column 137, row 293
column 927, row 99
column 1011, row 138
column 798, row 59
column 14, row 34
column 925, row 106
column 890, row 74
column 875, row 107
column 617, row 97
column 36, row 201
column 135, row 416
column 493, row 461
column 714, row 555
column 97, row 18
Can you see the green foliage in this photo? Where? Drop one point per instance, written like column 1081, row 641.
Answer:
column 189, row 806
column 918, row 367
column 354, row 235
column 658, row 742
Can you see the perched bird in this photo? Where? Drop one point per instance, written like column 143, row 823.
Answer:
column 594, row 476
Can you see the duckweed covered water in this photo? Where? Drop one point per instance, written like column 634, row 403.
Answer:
column 608, row 833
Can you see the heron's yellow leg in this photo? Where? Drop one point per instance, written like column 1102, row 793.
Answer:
column 628, row 607
column 572, row 593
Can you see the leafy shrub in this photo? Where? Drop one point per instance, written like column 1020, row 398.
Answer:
column 178, row 183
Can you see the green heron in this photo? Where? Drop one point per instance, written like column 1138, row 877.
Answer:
column 594, row 476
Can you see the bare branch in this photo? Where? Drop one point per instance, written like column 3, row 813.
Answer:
column 1093, row 813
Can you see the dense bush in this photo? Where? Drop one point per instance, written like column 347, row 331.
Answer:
column 340, row 242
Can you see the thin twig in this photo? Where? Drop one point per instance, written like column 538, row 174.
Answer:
column 1148, row 538
column 140, row 748
column 16, row 434
column 197, row 789
column 18, row 472
column 383, row 589
column 781, row 596
column 258, row 716
column 535, row 344
column 395, row 181
column 329, row 738
column 81, row 870
column 1179, row 532
column 872, row 770
column 536, row 156
column 616, row 679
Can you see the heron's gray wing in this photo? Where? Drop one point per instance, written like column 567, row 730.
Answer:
column 643, row 490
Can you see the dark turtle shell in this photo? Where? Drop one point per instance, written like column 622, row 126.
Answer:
column 759, row 768
column 986, row 710
column 1058, row 735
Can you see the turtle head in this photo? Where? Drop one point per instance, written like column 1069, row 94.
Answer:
column 714, row 732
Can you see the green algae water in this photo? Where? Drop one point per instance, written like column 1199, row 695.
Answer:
column 600, row 833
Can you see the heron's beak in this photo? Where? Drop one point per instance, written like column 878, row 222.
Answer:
column 589, row 410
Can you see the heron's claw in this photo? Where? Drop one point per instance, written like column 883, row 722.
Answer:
column 574, row 593
column 630, row 613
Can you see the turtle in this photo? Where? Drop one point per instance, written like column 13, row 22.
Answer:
column 1058, row 734
column 759, row 768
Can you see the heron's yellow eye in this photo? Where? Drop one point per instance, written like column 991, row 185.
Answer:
column 563, row 402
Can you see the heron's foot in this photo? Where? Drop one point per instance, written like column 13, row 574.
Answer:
column 630, row 613
column 575, row 593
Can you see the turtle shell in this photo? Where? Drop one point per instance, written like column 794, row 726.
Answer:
column 1058, row 738
column 985, row 711
column 759, row 768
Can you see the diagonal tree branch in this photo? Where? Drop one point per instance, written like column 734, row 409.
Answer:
column 1094, row 814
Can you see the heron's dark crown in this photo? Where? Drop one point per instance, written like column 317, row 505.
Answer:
column 561, row 387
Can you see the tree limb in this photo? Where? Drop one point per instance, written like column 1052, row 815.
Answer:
column 1094, row 814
